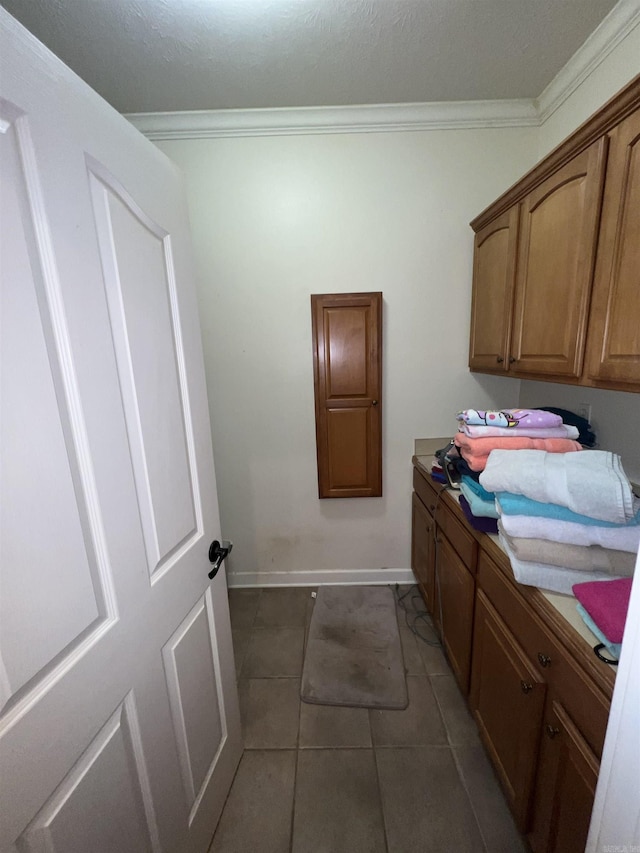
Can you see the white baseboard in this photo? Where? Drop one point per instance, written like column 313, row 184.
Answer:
column 332, row 577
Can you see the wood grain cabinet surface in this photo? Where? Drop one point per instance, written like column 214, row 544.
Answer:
column 494, row 268
column 507, row 700
column 556, row 253
column 347, row 368
column 565, row 788
column 613, row 347
column 556, row 281
column 537, row 692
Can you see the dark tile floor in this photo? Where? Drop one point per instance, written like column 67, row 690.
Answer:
column 317, row 779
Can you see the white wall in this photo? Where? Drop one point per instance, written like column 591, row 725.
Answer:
column 615, row 415
column 278, row 218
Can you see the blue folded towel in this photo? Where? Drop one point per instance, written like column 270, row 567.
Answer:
column 477, row 489
column 613, row 648
column 512, row 504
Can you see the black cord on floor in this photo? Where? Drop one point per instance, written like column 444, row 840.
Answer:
column 415, row 614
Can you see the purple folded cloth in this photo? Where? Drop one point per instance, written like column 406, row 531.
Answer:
column 480, row 523
column 607, row 603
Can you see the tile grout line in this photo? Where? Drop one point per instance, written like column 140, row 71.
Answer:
column 384, row 819
column 470, row 799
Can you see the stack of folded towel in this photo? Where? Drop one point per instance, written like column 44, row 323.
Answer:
column 562, row 515
column 481, row 432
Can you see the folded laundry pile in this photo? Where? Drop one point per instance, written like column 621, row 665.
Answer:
column 603, row 606
column 481, row 432
column 564, row 515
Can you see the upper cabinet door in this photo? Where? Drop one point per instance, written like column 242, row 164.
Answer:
column 613, row 348
column 494, row 269
column 559, row 221
column 347, row 361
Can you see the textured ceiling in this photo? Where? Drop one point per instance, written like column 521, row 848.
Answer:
column 167, row 55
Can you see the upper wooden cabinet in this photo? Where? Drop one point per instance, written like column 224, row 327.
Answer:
column 556, row 252
column 347, row 366
column 556, row 289
column 613, row 349
column 494, row 267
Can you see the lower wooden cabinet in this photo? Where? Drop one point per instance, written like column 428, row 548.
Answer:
column 507, row 699
column 538, row 697
column 423, row 550
column 565, row 788
column 455, row 587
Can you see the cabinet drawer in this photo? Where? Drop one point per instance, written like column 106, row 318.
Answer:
column 584, row 702
column 426, row 490
column 465, row 545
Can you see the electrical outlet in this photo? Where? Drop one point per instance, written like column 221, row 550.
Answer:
column 584, row 410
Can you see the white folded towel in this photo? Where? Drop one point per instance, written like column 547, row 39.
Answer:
column 571, row 532
column 591, row 483
column 548, row 577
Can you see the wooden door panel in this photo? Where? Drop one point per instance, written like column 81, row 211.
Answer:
column 456, row 588
column 494, row 269
column 349, row 436
column 347, row 360
column 614, row 331
column 565, row 789
column 422, row 550
column 555, row 266
column 347, row 368
column 507, row 698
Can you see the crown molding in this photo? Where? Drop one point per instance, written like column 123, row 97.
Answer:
column 379, row 118
column 623, row 18
column 374, row 118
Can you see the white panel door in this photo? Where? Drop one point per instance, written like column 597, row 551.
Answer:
column 119, row 724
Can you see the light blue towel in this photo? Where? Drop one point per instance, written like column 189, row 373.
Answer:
column 479, row 490
column 511, row 504
column 613, row 648
column 479, row 507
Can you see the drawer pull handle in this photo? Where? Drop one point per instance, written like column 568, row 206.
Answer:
column 545, row 660
column 526, row 687
column 551, row 731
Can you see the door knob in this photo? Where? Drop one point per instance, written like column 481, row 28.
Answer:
column 217, row 553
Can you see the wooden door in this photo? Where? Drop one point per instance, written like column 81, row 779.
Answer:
column 119, row 724
column 613, row 347
column 494, row 269
column 507, row 700
column 565, row 788
column 422, row 550
column 556, row 254
column 454, row 596
column 347, row 369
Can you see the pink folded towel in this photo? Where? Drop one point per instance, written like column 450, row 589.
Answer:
column 607, row 602
column 478, row 447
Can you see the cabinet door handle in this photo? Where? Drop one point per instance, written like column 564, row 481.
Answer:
column 526, row 686
column 499, row 359
column 545, row 660
column 512, row 359
column 551, row 731
column 374, row 402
